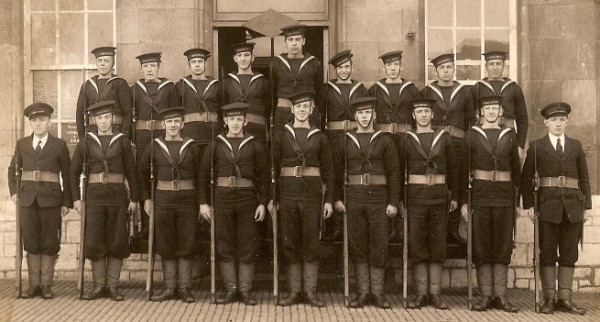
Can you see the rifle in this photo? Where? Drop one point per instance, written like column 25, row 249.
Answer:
column 274, row 193
column 150, row 265
column 405, row 228
column 83, row 187
column 213, row 268
column 536, row 227
column 345, row 222
column 470, row 216
column 137, row 216
column 19, row 238
column 324, row 190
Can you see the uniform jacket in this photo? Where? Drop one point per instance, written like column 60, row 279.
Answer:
column 315, row 153
column 334, row 105
column 440, row 160
column 513, row 103
column 394, row 112
column 308, row 78
column 459, row 112
column 167, row 167
column 257, row 94
column 249, row 162
column 115, row 89
column 54, row 157
column 118, row 158
column 380, row 158
column 552, row 201
column 484, row 157
column 200, row 100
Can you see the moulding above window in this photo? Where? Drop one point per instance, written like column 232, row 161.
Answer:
column 307, row 10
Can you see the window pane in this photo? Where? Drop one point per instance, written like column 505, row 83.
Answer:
column 43, row 38
column 439, row 42
column 71, row 38
column 100, row 4
column 440, row 13
column 42, row 5
column 44, row 88
column 496, row 40
column 468, row 13
column 280, row 48
column 468, row 45
column 262, row 47
column 70, row 84
column 468, row 72
column 431, row 75
column 65, row 5
column 496, row 13
column 100, row 32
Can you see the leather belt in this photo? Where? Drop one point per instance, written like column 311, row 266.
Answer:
column 40, row 176
column 234, row 182
column 454, row 131
column 149, row 125
column 257, row 119
column 300, row 171
column 393, row 127
column 284, row 102
column 561, row 182
column 174, row 185
column 493, row 176
column 367, row 179
column 201, row 117
column 104, row 178
column 342, row 125
column 117, row 120
column 428, row 179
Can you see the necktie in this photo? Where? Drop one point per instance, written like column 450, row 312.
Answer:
column 559, row 147
column 38, row 148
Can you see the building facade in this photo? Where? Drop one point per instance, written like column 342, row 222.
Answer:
column 554, row 48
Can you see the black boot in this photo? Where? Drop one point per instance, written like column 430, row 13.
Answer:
column 565, row 282
column 184, row 274
column 185, row 294
column 484, row 281
column 420, row 278
column 34, row 263
column 417, row 302
column 435, row 286
column 377, row 280
column 166, row 295
column 47, row 275
column 549, row 288
column 361, row 272
column 169, row 268
column 484, row 304
column 113, row 272
column 246, row 275
column 500, row 280
column 99, row 276
column 230, row 280
column 294, row 279
column 310, row 276
column 247, row 299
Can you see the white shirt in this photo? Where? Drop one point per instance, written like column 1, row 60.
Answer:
column 554, row 140
column 42, row 140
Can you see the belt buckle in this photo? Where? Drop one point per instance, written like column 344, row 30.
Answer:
column 298, row 171
column 346, row 125
column 206, row 117
column 365, row 179
column 175, row 185
column 562, row 181
column 232, row 181
column 151, row 124
column 493, row 175
column 393, row 127
column 36, row 175
column 430, row 179
column 103, row 177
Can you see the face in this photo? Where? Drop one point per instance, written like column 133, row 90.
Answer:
column 173, row 126
column 494, row 68
column 235, row 123
column 344, row 70
column 104, row 64
column 302, row 110
column 392, row 69
column 423, row 116
column 445, row 71
column 150, row 71
column 557, row 124
column 197, row 66
column 243, row 59
column 491, row 113
column 294, row 44
column 364, row 117
column 104, row 121
column 40, row 124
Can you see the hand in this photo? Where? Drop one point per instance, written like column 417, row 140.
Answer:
column 78, row 205
column 132, row 208
column 531, row 213
column 464, row 211
column 205, row 212
column 327, row 210
column 64, row 211
column 259, row 214
column 14, row 197
column 453, row 205
column 148, row 206
column 586, row 215
column 391, row 211
column 339, row 206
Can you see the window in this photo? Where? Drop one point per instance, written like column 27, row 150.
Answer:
column 470, row 28
column 59, row 35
